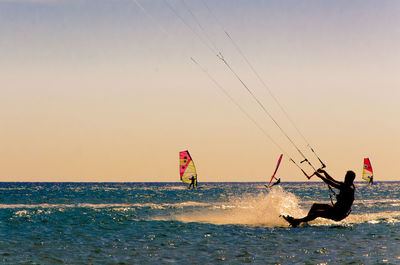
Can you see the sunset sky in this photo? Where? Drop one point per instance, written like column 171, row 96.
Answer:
column 100, row 90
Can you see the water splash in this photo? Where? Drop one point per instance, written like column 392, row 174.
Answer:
column 263, row 209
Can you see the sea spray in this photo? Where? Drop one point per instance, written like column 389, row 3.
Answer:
column 262, row 209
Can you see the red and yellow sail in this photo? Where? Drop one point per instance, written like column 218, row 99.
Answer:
column 367, row 173
column 187, row 169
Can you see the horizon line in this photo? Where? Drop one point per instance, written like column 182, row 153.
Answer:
column 178, row 182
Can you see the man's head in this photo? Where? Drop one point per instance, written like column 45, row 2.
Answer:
column 349, row 178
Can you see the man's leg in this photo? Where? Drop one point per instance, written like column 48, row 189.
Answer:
column 317, row 210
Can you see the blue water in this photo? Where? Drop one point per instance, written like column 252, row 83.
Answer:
column 161, row 223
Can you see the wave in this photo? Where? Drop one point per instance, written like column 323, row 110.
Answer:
column 107, row 205
column 262, row 209
column 266, row 209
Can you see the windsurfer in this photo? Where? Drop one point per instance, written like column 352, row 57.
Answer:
column 276, row 183
column 192, row 183
column 338, row 211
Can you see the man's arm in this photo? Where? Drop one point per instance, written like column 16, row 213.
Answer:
column 327, row 178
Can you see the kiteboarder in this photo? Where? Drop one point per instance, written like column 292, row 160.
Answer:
column 192, row 183
column 338, row 211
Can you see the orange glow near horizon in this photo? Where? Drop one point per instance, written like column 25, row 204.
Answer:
column 110, row 98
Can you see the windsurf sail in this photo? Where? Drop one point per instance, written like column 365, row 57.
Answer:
column 187, row 169
column 276, row 169
column 367, row 173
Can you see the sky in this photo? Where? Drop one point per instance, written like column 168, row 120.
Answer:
column 105, row 90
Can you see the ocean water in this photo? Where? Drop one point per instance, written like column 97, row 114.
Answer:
column 164, row 223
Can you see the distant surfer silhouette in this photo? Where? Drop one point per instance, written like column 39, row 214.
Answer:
column 273, row 184
column 192, row 183
column 338, row 211
column 273, row 176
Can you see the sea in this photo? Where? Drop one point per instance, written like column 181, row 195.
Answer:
column 217, row 223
